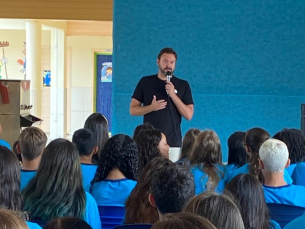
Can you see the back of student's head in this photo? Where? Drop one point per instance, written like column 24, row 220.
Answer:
column 58, row 180
column 32, row 142
column 67, row 223
column 183, row 221
column 84, row 140
column 11, row 220
column 249, row 194
column 188, row 142
column 147, row 143
column 120, row 152
column 295, row 142
column 172, row 186
column 237, row 154
column 138, row 208
column 219, row 209
column 274, row 155
column 10, row 196
column 139, row 128
column 253, row 141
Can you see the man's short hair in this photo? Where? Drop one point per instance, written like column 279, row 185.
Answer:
column 84, row 140
column 274, row 154
column 32, row 142
column 167, row 50
column 172, row 186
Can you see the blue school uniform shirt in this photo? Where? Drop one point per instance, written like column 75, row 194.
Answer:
column 298, row 175
column 288, row 194
column 296, row 223
column 33, row 225
column 92, row 216
column 88, row 171
column 230, row 168
column 5, row 143
column 290, row 169
column 201, row 178
column 112, row 192
column 25, row 177
column 245, row 169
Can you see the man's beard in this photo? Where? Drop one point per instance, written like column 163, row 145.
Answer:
column 165, row 70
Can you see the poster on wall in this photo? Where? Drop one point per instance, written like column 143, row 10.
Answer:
column 103, row 83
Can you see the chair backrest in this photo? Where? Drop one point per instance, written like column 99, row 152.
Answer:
column 134, row 226
column 111, row 216
column 283, row 213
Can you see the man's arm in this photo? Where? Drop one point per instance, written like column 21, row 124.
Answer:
column 186, row 111
column 137, row 109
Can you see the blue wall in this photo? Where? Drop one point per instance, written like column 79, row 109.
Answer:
column 244, row 60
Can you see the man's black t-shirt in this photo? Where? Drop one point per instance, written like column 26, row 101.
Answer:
column 168, row 120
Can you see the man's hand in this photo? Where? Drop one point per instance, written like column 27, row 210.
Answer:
column 170, row 88
column 158, row 104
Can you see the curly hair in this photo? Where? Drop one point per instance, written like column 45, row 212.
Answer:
column 255, row 137
column 10, row 196
column 207, row 152
column 119, row 152
column 295, row 141
column 138, row 208
column 237, row 153
column 57, row 189
column 98, row 123
column 147, row 143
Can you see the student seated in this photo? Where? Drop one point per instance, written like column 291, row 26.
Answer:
column 117, row 172
column 57, row 189
column 273, row 161
column 298, row 175
column 31, row 144
column 84, row 140
column 205, row 163
column 172, row 187
column 11, row 220
column 220, row 210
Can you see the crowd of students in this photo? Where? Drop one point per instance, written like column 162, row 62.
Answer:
column 61, row 185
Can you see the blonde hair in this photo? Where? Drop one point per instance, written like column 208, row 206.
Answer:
column 11, row 220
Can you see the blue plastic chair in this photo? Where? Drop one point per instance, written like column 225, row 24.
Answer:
column 134, row 226
column 283, row 213
column 111, row 216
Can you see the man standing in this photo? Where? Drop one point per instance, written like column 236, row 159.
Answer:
column 163, row 101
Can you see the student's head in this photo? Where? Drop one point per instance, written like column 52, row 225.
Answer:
column 11, row 220
column 10, row 196
column 120, row 152
column 151, row 143
column 57, row 189
column 15, row 151
column 139, row 128
column 188, row 142
column 274, row 156
column 237, row 153
column 206, row 149
column 138, row 208
column 171, row 187
column 249, row 194
column 183, row 221
column 295, row 142
column 220, row 210
column 84, row 140
column 167, row 60
column 98, row 123
column 67, row 223
column 32, row 142
column 253, row 141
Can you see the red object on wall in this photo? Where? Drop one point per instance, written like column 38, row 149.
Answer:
column 4, row 94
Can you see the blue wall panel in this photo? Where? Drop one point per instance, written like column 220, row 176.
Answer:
column 244, row 60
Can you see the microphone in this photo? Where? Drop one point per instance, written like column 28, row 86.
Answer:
column 169, row 74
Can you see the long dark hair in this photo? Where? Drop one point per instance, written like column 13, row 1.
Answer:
column 147, row 143
column 237, row 153
column 10, row 197
column 98, row 123
column 206, row 153
column 295, row 141
column 119, row 152
column 249, row 193
column 57, row 189
column 138, row 208
column 188, row 142
column 255, row 137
